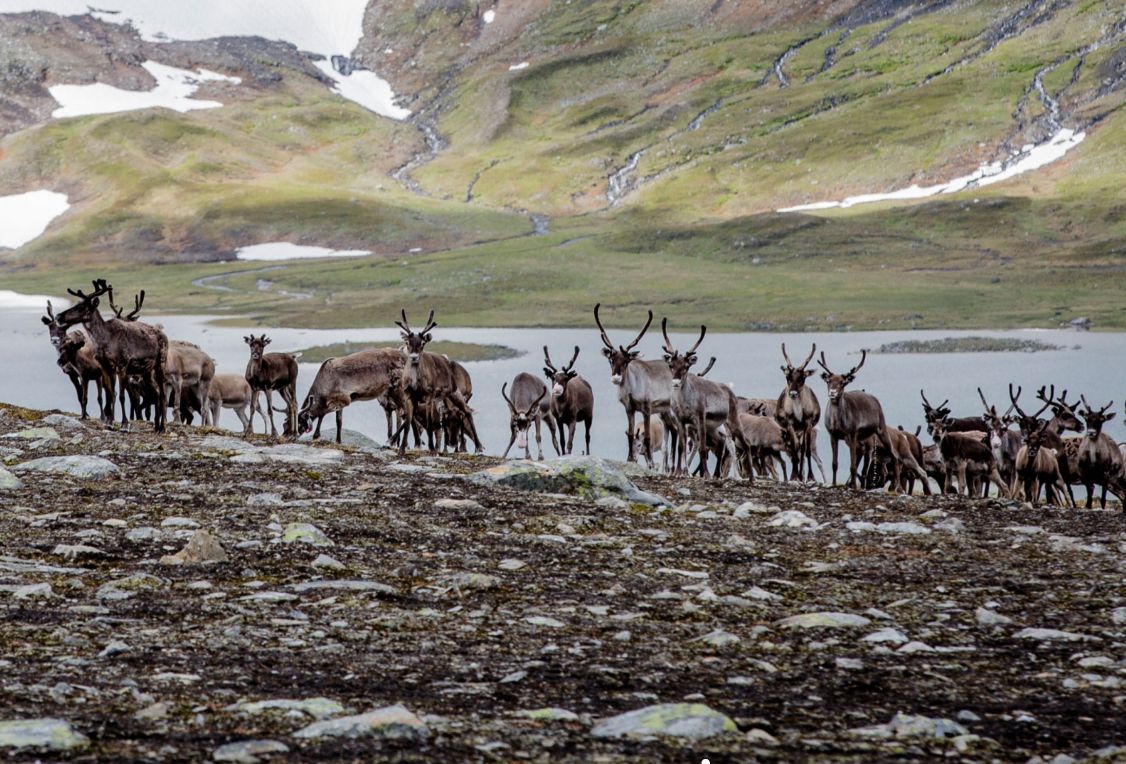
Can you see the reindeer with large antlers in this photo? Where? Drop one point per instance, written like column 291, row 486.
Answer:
column 941, row 412
column 644, row 387
column 1100, row 461
column 429, row 383
column 527, row 407
column 123, row 348
column 701, row 406
column 78, row 361
column 1037, row 464
column 1004, row 442
column 269, row 373
column 798, row 411
column 572, row 400
column 853, row 417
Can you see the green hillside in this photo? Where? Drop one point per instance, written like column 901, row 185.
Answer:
column 654, row 142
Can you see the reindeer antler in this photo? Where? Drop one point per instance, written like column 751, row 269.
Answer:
column 50, row 311
column 1050, row 397
column 863, row 358
column 547, row 360
column 535, row 403
column 809, row 357
column 707, row 368
column 405, row 325
column 574, row 358
column 664, row 330
column 504, row 394
column 605, row 337
column 823, row 363
column 644, row 329
column 138, row 301
column 787, row 357
column 430, row 323
column 703, row 331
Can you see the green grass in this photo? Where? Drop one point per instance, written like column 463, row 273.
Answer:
column 968, row 345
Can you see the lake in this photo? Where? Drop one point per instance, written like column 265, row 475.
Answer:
column 1093, row 364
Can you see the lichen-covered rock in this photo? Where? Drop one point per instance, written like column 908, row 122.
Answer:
column 248, row 751
column 824, row 620
column 81, row 467
column 35, row 433
column 909, row 727
column 694, row 721
column 318, row 708
column 202, row 549
column 390, row 722
column 47, row 734
column 305, row 533
column 8, row 481
column 587, row 476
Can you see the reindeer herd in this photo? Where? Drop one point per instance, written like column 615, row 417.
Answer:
column 671, row 411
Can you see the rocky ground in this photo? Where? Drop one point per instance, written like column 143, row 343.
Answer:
column 365, row 606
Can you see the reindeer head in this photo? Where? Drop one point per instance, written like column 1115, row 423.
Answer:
column 680, row 364
column 796, row 375
column 521, row 420
column 838, row 382
column 621, row 356
column 57, row 332
column 1027, row 424
column 85, row 308
column 257, row 346
column 933, row 414
column 1064, row 412
column 1096, row 419
column 559, row 377
column 415, row 342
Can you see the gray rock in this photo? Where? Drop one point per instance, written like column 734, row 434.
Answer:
column 587, row 476
column 549, row 714
column 893, row 528
column 719, row 638
column 986, row 617
column 178, row 522
column 829, row 620
column 47, row 734
column 264, row 500
column 305, row 533
column 144, row 533
column 1118, row 616
column 62, row 422
column 202, row 549
column 458, row 505
column 344, row 585
column 907, row 727
column 390, row 722
column 472, row 581
column 8, row 481
column 35, row 433
column 693, row 721
column 850, row 664
column 325, row 562
column 116, row 647
column 1053, row 635
column 894, row 636
column 792, row 518
column 124, row 588
column 81, row 467
column 248, row 751
column 291, row 453
column 317, row 708
column 551, row 623
column 511, row 564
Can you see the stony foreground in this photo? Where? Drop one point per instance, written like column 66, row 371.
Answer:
column 361, row 607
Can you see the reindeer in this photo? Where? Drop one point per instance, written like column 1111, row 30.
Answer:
column 852, row 417
column 942, row 412
column 122, row 348
column 899, row 467
column 1004, row 442
column 1037, row 463
column 700, row 405
column 658, row 437
column 759, row 445
column 361, row 376
column 572, row 400
column 1064, row 417
column 77, row 359
column 644, row 387
column 755, row 406
column 229, row 391
column 798, row 411
column 429, row 381
column 269, row 372
column 527, row 407
column 1100, row 460
column 188, row 379
column 455, row 424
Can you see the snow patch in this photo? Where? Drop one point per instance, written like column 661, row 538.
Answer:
column 16, row 301
column 24, row 217
column 1027, row 159
column 489, row 16
column 284, row 250
column 173, row 90
column 326, row 29
column 366, row 89
column 518, row 67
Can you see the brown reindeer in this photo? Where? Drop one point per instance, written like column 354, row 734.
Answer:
column 798, row 411
column 1037, row 464
column 572, row 400
column 123, row 348
column 77, row 359
column 428, row 385
column 1100, row 460
column 852, row 417
column 361, row 376
column 759, row 444
column 269, row 372
column 455, row 421
column 957, row 424
column 229, row 391
column 527, row 407
column 188, row 381
column 966, row 453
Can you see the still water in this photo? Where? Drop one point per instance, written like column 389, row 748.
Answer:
column 1093, row 363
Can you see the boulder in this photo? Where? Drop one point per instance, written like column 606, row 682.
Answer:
column 248, row 751
column 47, row 734
column 693, row 721
column 81, row 467
column 202, row 549
column 587, row 476
column 390, row 722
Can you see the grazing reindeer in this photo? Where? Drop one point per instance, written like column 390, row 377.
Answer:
column 1037, row 463
column 572, row 400
column 644, row 387
column 267, row 372
column 900, row 466
column 798, row 411
column 229, row 391
column 455, row 423
column 658, row 437
column 1100, row 461
column 761, row 445
column 188, row 379
column 361, row 376
column 964, row 451
column 123, row 348
column 429, row 384
column 700, row 405
column 527, row 407
column 852, row 417
column 78, row 361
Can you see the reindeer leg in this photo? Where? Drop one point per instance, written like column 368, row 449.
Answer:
column 588, row 423
column 339, row 423
column 632, row 451
column 835, row 441
column 270, row 411
column 539, row 436
column 510, row 442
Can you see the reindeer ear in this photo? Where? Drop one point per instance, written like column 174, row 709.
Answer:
column 635, row 354
column 607, row 352
column 1109, row 417
column 810, row 372
column 825, row 376
column 547, row 372
column 428, row 336
column 246, row 339
column 783, row 368
column 94, row 302
column 45, row 320
column 266, row 340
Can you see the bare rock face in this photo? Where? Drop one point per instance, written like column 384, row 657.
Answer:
column 202, row 549
column 42, row 734
column 694, row 721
